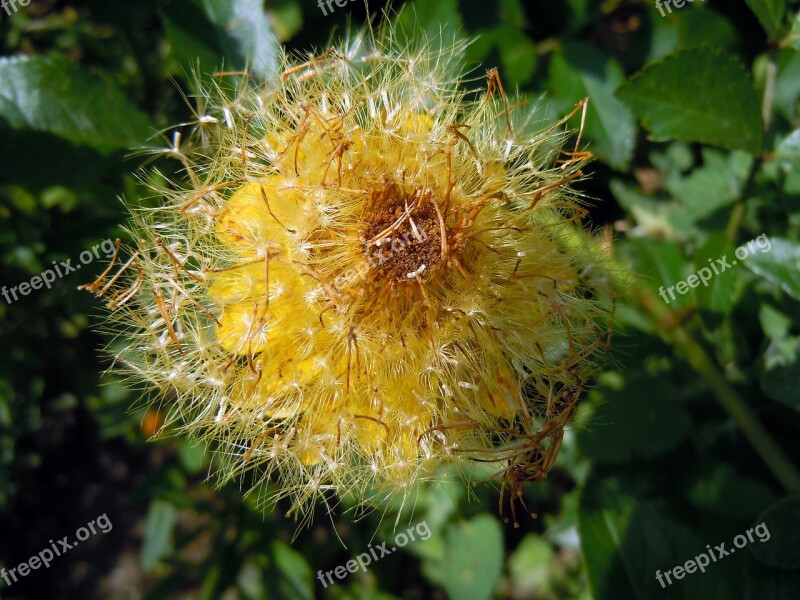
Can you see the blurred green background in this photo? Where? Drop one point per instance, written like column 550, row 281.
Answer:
column 689, row 437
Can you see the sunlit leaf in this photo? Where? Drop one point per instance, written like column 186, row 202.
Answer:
column 687, row 96
column 581, row 71
column 56, row 96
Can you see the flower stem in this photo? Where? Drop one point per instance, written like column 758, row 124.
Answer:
column 782, row 468
column 675, row 334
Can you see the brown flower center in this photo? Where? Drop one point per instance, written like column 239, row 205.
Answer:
column 402, row 233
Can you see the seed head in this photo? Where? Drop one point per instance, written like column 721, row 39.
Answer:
column 368, row 270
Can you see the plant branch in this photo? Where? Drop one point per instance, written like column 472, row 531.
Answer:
column 675, row 334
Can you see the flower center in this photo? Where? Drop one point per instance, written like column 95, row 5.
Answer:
column 402, row 234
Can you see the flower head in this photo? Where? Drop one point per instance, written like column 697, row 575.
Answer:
column 368, row 271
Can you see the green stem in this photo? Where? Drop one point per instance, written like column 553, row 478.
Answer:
column 769, row 86
column 783, row 469
column 675, row 334
column 735, row 221
column 737, row 214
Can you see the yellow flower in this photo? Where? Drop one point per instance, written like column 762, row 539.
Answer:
column 371, row 272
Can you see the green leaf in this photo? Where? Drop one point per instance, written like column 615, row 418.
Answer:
column 782, row 522
column 512, row 12
column 251, row 582
column 439, row 22
column 529, row 565
column 687, row 96
column 58, row 97
column 775, row 324
column 770, row 14
column 765, row 583
column 779, row 263
column 726, row 493
column 793, row 38
column 604, row 517
column 297, row 577
column 787, row 153
column 701, row 194
column 517, row 50
column 625, row 541
column 695, row 197
column 474, row 558
column 780, row 384
column 161, row 520
column 683, row 29
column 780, row 356
column 192, row 37
column 287, row 18
column 705, row 27
column 663, row 265
column 192, row 455
column 787, row 82
column 582, row 70
column 517, row 53
column 641, row 421
column 649, row 214
column 718, row 183
column 244, row 31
